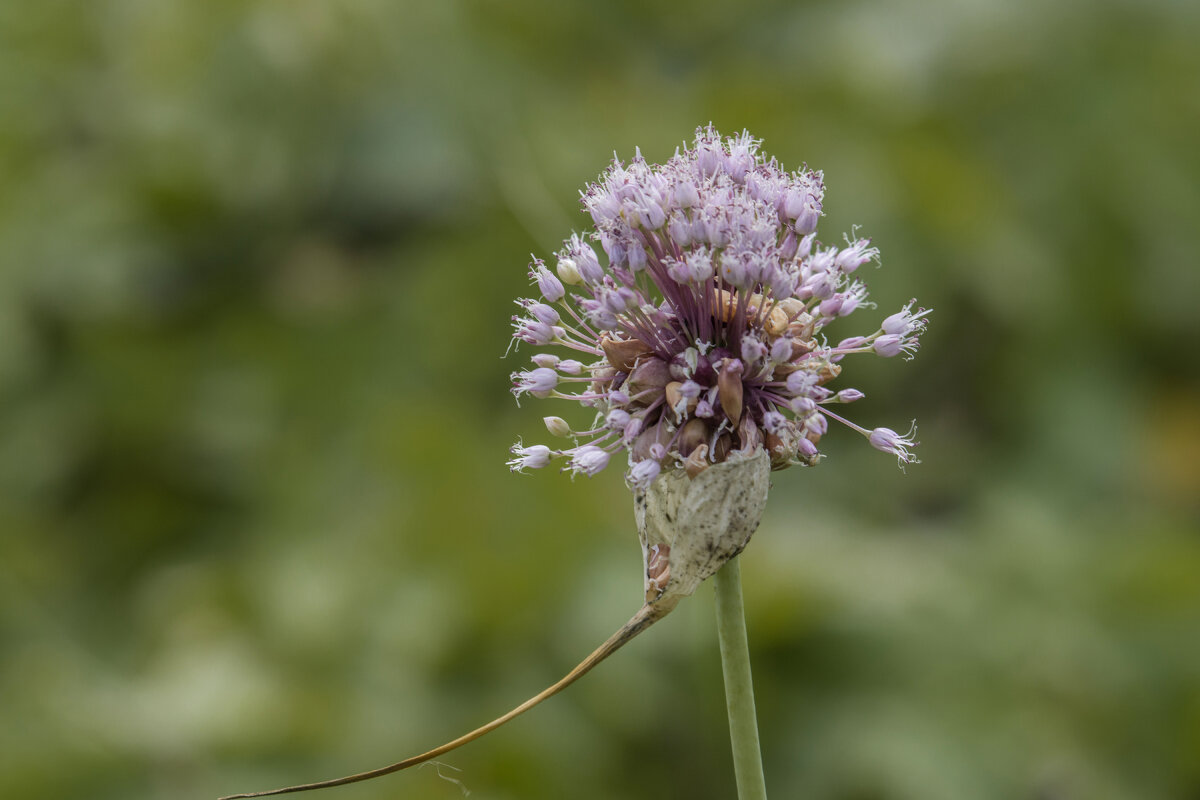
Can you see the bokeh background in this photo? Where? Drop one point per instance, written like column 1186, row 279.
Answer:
column 256, row 264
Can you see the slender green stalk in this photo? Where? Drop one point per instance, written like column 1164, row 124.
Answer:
column 739, row 688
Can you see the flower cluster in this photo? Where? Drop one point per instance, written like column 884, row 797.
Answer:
column 702, row 330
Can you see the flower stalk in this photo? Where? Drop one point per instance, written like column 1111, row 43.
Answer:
column 739, row 687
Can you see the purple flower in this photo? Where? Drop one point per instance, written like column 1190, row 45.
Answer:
column 889, row 441
column 588, row 460
column 888, row 345
column 538, row 382
column 904, row 322
column 550, row 286
column 642, row 473
column 543, row 313
column 534, row 457
column 855, row 255
column 702, row 332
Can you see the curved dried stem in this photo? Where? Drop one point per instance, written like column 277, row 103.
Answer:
column 643, row 619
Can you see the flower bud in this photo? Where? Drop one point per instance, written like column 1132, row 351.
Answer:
column 888, row 345
column 550, row 286
column 589, row 460
column 568, row 272
column 557, row 426
column 801, row 382
column 588, row 265
column 752, row 349
column 729, row 388
column 680, row 232
column 544, row 313
column 803, row 405
column 686, row 195
column 642, row 474
column 617, row 419
column 806, row 223
column 781, row 350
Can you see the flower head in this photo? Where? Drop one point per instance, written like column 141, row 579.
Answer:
column 702, row 325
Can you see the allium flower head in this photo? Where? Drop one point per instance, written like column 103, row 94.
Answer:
column 701, row 321
column 697, row 341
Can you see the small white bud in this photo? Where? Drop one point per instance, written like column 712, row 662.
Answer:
column 557, row 426
column 568, row 272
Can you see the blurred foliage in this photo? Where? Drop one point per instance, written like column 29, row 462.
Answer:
column 256, row 260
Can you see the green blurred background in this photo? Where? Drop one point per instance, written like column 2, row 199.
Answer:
column 256, row 265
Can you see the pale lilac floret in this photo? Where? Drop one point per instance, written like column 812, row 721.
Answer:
column 534, row 457
column 889, row 441
column 774, row 422
column 801, row 383
column 534, row 331
column 538, row 382
column 704, row 321
column 892, row 344
column 855, row 255
column 781, row 350
column 589, row 460
column 642, row 473
column 888, row 345
column 753, row 350
column 904, row 322
column 550, row 287
column 801, row 406
column 617, row 419
column 543, row 313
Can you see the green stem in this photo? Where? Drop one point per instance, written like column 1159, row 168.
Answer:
column 739, row 688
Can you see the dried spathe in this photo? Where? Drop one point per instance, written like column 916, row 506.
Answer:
column 690, row 526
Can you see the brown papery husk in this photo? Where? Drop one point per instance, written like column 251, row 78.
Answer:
column 704, row 520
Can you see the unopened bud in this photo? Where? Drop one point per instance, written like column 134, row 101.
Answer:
column 729, row 388
column 557, row 426
column 569, row 272
column 550, row 286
